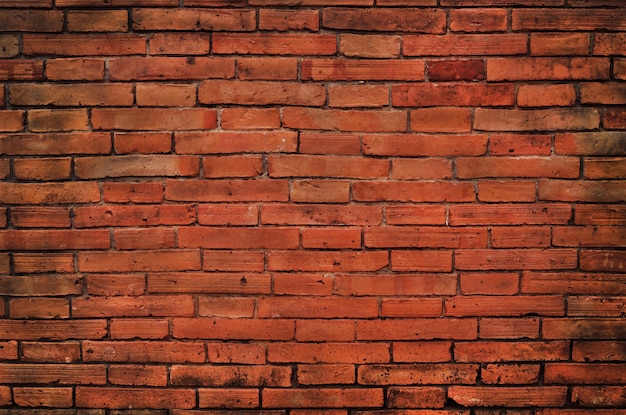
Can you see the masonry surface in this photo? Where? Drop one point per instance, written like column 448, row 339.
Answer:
column 312, row 207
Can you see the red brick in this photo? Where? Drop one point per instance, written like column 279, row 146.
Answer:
column 570, row 283
column 38, row 263
column 274, row 44
column 239, row 238
column 344, row 120
column 548, row 44
column 584, row 373
column 468, row 306
column 231, row 214
column 318, row 214
column 536, row 120
column 361, row 353
column 332, row 261
column 417, row 329
column 42, row 169
column 606, row 44
column 387, row 20
column 110, row 94
column 38, row 240
column 137, row 375
column 285, row 20
column 128, row 328
column 302, row 284
column 325, row 307
column 423, row 374
column 123, row 192
column 597, row 351
column 186, row 43
column 352, row 70
column 118, row 398
column 350, row 96
column 318, row 191
column 172, row 260
column 153, row 118
column 473, row 396
column 40, row 120
column 560, row 95
column 194, row 19
column 8, row 350
column 322, row 398
column 250, row 118
column 329, row 143
column 261, row 93
column 604, row 168
column 422, row 284
column 478, row 20
column 84, row 44
column 250, row 261
column 509, row 328
column 507, row 190
column 611, row 93
column 369, row 46
column 31, row 20
column 424, row 237
column 464, row 44
column 114, row 3
column 424, row 145
column 65, row 352
column 230, row 307
column 226, row 283
column 136, row 165
column 97, row 21
column 326, row 166
column 510, row 259
column 403, row 308
column 325, row 330
column 456, row 70
column 588, row 214
column 43, row 308
column 518, row 167
column 11, row 121
column 230, row 329
column 56, row 144
column 332, row 238
column 236, row 353
column 125, row 143
column 520, row 144
column 310, row 2
column 582, row 328
column 557, row 19
column 75, row 69
column 228, row 398
column 52, row 329
column 489, row 283
column 326, row 374
column 422, row 352
column 525, row 69
column 267, row 68
column 61, row 374
column 609, row 236
column 47, row 397
column 111, row 285
column 165, row 95
column 599, row 396
column 597, row 191
column 148, row 306
column 143, row 351
column 44, row 285
column 416, row 397
column 441, row 119
column 595, row 306
column 236, row 142
column 415, row 214
column 500, row 351
column 429, row 94
column 450, row 191
column 231, row 375
column 614, row 119
column 520, row 237
column 171, row 68
column 133, row 215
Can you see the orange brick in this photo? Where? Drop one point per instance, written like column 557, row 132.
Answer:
column 424, row 237
column 425, row 168
column 497, row 351
column 383, row 19
column 348, row 96
column 52, row 330
column 509, row 328
column 417, row 329
column 58, row 120
column 322, row 398
column 274, row 44
column 360, row 70
column 215, row 283
column 242, row 353
column 511, row 259
column 510, row 396
column 611, row 93
column 53, row 352
column 332, row 261
column 97, row 21
column 232, row 329
column 285, row 20
column 170, row 68
column 47, row 397
column 56, row 143
column 329, row 143
column 410, row 308
column 326, row 374
column 441, row 119
column 415, row 214
column 361, row 353
column 45, row 239
column 110, row 94
column 239, row 238
column 40, row 307
column 165, row 95
column 507, row 190
column 248, row 261
column 137, row 375
column 518, row 167
column 121, row 306
column 61, row 374
column 302, row 284
column 143, row 351
column 331, row 238
column 40, row 217
column 425, row 374
column 75, row 69
column 128, row 328
column 318, row 214
column 194, row 19
column 153, row 118
column 424, row 145
column 127, row 143
column 520, row 144
column 133, row 215
column 326, row 307
column 560, row 95
column 172, row 43
column 326, row 166
column 416, row 397
column 524, row 69
column 596, row 191
column 81, row 45
column 608, row 43
column 369, row 46
column 250, row 118
column 42, row 169
column 478, row 20
column 261, row 93
column 267, row 68
column 422, row 284
column 547, row 44
column 522, row 237
column 117, row 398
column 228, row 214
column 49, row 193
column 220, row 142
column 318, row 191
column 228, row 307
column 122, row 192
column 344, row 120
column 310, row 330
column 422, row 351
column 11, row 121
column 464, row 44
column 413, row 191
column 429, row 94
column 228, row 398
column 149, row 260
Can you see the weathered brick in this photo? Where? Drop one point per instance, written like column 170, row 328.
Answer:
column 194, row 19
column 383, row 19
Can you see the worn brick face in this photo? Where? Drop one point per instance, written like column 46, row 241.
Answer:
column 312, row 207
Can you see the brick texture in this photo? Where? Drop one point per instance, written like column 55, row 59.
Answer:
column 312, row 207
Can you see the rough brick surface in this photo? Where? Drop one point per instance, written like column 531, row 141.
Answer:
column 312, row 207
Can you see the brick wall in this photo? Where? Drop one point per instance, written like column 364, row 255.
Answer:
column 312, row 207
